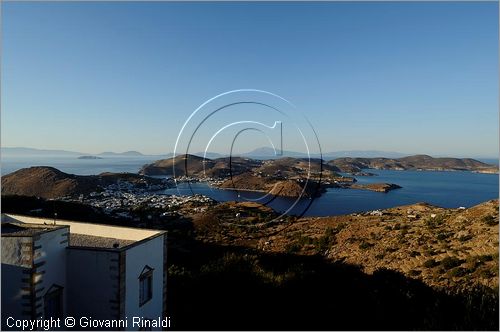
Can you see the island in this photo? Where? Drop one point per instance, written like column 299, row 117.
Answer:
column 89, row 157
column 378, row 187
column 300, row 177
column 416, row 163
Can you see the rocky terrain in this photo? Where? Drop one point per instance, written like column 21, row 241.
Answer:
column 49, row 182
column 223, row 167
column 410, row 267
column 285, row 177
column 281, row 177
column 442, row 247
column 263, row 175
column 276, row 187
column 194, row 166
column 417, row 162
column 378, row 187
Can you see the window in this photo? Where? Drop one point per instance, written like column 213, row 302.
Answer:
column 145, row 285
column 53, row 302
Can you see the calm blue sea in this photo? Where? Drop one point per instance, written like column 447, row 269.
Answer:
column 446, row 189
column 73, row 165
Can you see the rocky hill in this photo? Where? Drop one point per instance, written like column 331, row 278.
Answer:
column 196, row 166
column 295, row 167
column 222, row 167
column 276, row 187
column 451, row 248
column 280, row 177
column 417, row 162
column 378, row 187
column 299, row 167
column 49, row 182
column 181, row 165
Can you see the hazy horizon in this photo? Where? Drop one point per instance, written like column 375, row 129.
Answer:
column 414, row 78
column 354, row 153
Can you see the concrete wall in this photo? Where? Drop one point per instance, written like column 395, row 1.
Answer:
column 16, row 250
column 98, row 283
column 50, row 265
column 93, row 288
column 30, row 267
column 150, row 253
column 11, row 293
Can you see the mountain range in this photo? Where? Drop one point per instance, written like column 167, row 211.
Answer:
column 22, row 151
column 263, row 153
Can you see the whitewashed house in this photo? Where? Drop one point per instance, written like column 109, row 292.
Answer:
column 81, row 270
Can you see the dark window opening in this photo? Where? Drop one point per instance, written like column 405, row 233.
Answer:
column 145, row 285
column 53, row 302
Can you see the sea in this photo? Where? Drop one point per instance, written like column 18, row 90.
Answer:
column 442, row 188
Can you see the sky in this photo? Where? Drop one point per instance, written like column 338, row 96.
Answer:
column 390, row 76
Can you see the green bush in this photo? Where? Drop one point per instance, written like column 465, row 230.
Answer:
column 488, row 273
column 451, row 262
column 473, row 262
column 328, row 239
column 434, row 222
column 490, row 220
column 443, row 235
column 293, row 247
column 414, row 273
column 430, row 263
column 365, row 245
column 458, row 272
column 430, row 252
column 414, row 253
column 465, row 238
column 485, row 258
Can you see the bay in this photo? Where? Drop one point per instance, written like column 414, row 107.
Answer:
column 441, row 188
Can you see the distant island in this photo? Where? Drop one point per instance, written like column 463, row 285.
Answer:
column 285, row 177
column 126, row 153
column 195, row 165
column 89, row 157
column 417, row 162
column 22, row 151
column 289, row 176
column 378, row 187
column 51, row 183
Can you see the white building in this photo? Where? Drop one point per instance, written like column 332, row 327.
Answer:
column 81, row 270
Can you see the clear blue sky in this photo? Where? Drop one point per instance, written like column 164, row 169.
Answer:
column 407, row 77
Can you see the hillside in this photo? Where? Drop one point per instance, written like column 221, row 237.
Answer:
column 296, row 167
column 190, row 163
column 378, row 187
column 220, row 167
column 284, row 188
column 49, row 182
column 281, row 177
column 417, row 162
column 454, row 248
column 289, row 167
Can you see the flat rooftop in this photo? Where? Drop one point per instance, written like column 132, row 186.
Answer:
column 87, row 228
column 82, row 240
column 25, row 230
column 82, row 234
